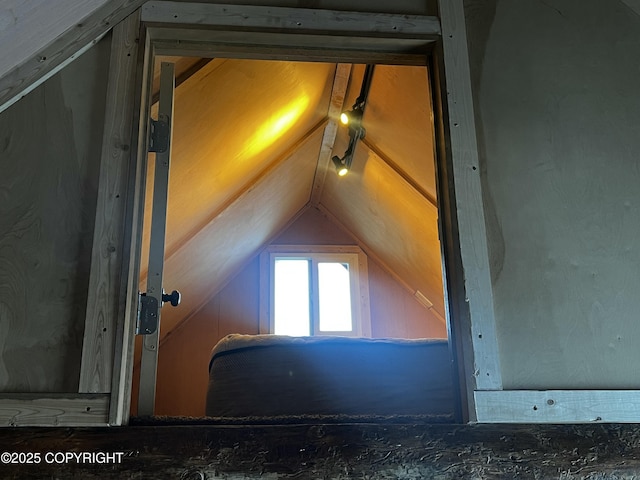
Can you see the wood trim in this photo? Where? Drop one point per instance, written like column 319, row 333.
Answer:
column 292, row 19
column 313, row 249
column 265, row 293
column 336, row 102
column 65, row 48
column 290, row 47
column 241, row 31
column 316, row 253
column 558, row 406
column 398, row 171
column 52, row 409
column 105, row 305
column 460, row 126
column 363, row 289
column 184, row 76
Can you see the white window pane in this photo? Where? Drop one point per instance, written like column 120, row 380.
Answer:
column 291, row 297
column 335, row 297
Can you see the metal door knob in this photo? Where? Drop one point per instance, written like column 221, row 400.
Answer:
column 173, row 298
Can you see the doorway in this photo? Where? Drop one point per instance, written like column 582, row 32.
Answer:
column 283, row 171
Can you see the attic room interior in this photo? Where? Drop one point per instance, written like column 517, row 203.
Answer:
column 491, row 207
column 386, row 205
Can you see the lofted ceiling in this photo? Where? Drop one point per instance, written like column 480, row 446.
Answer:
column 251, row 151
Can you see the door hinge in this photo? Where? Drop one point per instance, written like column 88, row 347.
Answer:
column 148, row 311
column 159, row 134
column 147, row 321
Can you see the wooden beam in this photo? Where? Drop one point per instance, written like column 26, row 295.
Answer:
column 105, row 304
column 292, row 47
column 181, row 75
column 400, row 451
column 291, row 19
column 459, row 126
column 558, row 406
column 241, row 31
column 398, row 171
column 336, row 102
column 72, row 28
column 53, row 409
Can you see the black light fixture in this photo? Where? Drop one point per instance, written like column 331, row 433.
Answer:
column 353, row 120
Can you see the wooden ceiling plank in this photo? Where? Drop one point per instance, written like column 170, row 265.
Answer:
column 79, row 34
column 336, row 102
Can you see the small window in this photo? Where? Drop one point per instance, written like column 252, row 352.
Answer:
column 319, row 291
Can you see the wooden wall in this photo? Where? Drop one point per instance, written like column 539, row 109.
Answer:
column 50, row 144
column 184, row 355
column 556, row 88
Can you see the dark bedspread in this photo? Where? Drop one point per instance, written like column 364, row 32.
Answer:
column 266, row 375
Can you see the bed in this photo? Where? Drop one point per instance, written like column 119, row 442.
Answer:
column 270, row 375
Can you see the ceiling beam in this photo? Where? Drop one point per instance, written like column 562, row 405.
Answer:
column 394, row 166
column 47, row 38
column 336, row 102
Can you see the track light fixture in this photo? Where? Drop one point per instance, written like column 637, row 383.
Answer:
column 353, row 120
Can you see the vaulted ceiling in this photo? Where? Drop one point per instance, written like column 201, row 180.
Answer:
column 251, row 151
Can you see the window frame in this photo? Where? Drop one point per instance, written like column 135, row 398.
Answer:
column 357, row 259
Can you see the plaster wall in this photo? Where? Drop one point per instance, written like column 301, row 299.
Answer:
column 556, row 88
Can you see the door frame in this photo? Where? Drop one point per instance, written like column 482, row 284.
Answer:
column 211, row 30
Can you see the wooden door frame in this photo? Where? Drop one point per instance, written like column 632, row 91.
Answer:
column 210, row 30
column 267, row 32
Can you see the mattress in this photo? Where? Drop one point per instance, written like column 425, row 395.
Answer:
column 270, row 375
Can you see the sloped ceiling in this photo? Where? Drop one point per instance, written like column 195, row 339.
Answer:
column 246, row 157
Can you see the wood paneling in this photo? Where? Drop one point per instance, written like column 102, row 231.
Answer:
column 49, row 158
column 391, row 219
column 395, row 313
column 234, row 309
column 313, row 228
column 50, row 35
column 399, row 123
column 208, row 259
column 232, row 119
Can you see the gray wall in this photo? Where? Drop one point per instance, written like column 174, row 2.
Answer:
column 50, row 143
column 557, row 97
